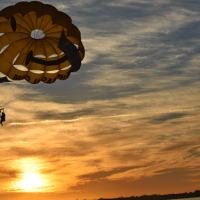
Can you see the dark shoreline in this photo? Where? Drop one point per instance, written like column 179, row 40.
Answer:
column 159, row 197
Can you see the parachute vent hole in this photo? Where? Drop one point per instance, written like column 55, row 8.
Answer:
column 37, row 34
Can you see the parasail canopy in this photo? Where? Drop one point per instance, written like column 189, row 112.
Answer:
column 38, row 43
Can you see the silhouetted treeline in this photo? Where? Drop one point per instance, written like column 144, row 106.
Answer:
column 159, row 197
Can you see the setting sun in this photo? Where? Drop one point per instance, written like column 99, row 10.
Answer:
column 30, row 182
column 31, row 178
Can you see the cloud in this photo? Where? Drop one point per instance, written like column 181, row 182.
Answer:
column 195, row 151
column 76, row 148
column 27, row 152
column 129, row 114
column 178, row 146
column 103, row 174
column 144, row 51
column 75, row 115
column 168, row 116
column 110, row 76
column 61, row 6
column 9, row 173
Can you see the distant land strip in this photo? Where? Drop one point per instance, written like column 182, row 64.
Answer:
column 159, row 197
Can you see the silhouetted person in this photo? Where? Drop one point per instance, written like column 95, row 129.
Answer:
column 3, row 118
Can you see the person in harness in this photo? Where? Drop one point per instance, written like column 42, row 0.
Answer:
column 2, row 116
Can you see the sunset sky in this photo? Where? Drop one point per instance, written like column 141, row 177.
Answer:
column 126, row 124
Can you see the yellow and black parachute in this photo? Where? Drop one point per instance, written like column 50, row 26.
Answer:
column 38, row 43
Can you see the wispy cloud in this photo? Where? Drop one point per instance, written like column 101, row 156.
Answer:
column 127, row 118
